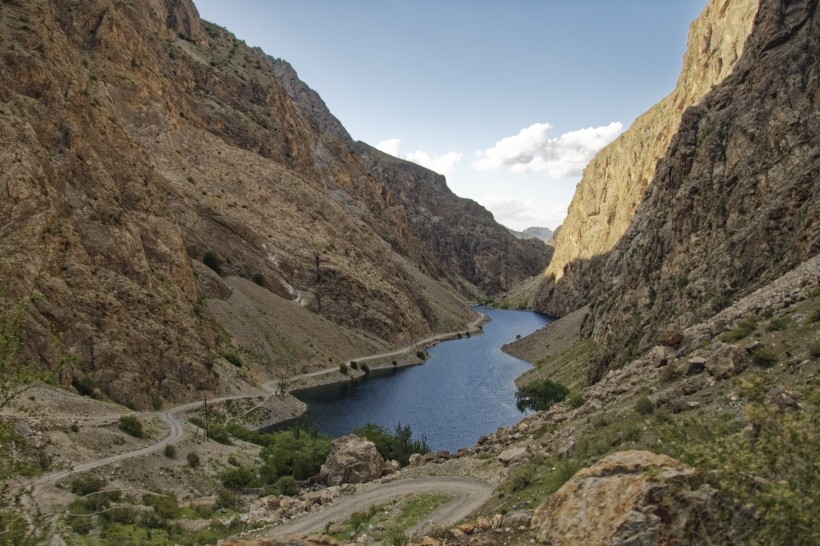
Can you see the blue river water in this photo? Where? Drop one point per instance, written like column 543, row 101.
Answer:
column 465, row 389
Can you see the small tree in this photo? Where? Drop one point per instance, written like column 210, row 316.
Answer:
column 540, row 395
column 131, row 425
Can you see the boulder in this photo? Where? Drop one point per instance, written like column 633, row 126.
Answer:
column 629, row 497
column 512, row 455
column 694, row 365
column 728, row 360
column 518, row 518
column 670, row 335
column 352, row 460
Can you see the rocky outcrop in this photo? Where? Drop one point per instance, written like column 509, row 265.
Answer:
column 471, row 248
column 352, row 459
column 629, row 497
column 615, row 181
column 734, row 203
column 139, row 143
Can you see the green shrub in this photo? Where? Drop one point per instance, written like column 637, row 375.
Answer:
column 239, row 478
column 226, row 498
column 395, row 446
column 343, row 368
column 354, row 364
column 13, row 529
column 421, row 355
column 576, row 400
column 85, row 484
column 170, row 451
column 219, row 433
column 644, row 405
column 165, row 506
column 365, row 369
column 815, row 316
column 231, row 357
column 296, row 452
column 746, row 327
column 193, row 460
column 764, row 357
column 287, row 485
column 213, row 260
column 814, row 349
column 778, row 324
column 540, row 395
column 131, row 425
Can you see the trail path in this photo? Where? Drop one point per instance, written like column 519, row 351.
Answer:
column 171, row 416
column 468, row 495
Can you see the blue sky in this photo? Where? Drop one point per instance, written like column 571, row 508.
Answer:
column 507, row 99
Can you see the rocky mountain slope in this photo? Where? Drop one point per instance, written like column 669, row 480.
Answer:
column 542, row 233
column 141, row 143
column 615, row 181
column 734, row 203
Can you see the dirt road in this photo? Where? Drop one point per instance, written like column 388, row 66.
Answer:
column 468, row 496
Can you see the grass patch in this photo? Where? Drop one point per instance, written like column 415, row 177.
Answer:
column 744, row 329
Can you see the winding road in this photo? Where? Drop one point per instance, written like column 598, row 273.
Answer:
column 170, row 416
column 468, row 496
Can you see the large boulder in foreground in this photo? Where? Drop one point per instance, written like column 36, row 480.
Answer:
column 629, row 497
column 352, row 459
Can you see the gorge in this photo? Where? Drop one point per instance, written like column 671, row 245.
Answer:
column 188, row 234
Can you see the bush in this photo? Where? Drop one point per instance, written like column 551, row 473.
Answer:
column 397, row 446
column 231, row 357
column 213, row 260
column 365, row 369
column 165, row 506
column 170, row 451
column 354, row 364
column 343, row 368
column 131, row 425
column 668, row 374
column 227, row 499
column 193, row 460
column 85, row 485
column 540, row 395
column 764, row 357
column 814, row 349
column 295, row 452
column 778, row 324
column 239, row 478
column 576, row 400
column 287, row 485
column 421, row 355
column 258, row 279
column 746, row 327
column 644, row 405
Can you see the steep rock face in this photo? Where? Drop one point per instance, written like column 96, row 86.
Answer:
column 411, row 207
column 735, row 202
column 136, row 140
column 471, row 247
column 615, row 181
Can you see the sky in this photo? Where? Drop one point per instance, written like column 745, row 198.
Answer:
column 508, row 99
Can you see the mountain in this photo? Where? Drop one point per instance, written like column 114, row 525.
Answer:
column 151, row 158
column 614, row 182
column 540, row 233
column 732, row 205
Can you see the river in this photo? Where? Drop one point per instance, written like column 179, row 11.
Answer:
column 465, row 389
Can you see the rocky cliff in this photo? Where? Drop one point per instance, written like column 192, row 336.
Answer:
column 140, row 143
column 735, row 202
column 615, row 181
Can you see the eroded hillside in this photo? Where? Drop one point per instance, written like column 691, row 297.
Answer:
column 140, row 143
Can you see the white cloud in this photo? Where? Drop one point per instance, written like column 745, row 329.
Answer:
column 534, row 149
column 521, row 213
column 389, row 146
column 446, row 164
